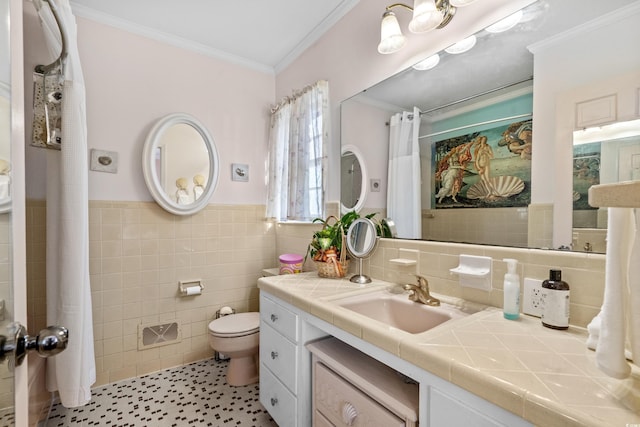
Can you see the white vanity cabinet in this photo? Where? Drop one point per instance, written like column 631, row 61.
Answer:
column 285, row 369
column 286, row 380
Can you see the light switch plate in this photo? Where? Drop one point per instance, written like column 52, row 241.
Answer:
column 104, row 161
column 239, row 172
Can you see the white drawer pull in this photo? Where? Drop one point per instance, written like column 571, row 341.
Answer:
column 349, row 413
column 274, row 401
column 274, row 355
column 274, row 317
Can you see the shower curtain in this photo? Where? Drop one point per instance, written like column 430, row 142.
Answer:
column 71, row 372
column 403, row 188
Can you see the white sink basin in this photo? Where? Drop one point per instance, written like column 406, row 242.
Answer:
column 397, row 311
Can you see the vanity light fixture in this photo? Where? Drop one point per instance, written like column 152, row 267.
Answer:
column 462, row 46
column 461, row 3
column 427, row 15
column 427, row 64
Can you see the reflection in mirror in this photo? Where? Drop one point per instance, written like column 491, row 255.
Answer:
column 601, row 155
column 353, row 178
column 5, row 152
column 180, row 164
column 7, row 386
column 361, row 241
column 481, row 90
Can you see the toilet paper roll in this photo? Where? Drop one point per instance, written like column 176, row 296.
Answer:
column 194, row 290
column 226, row 310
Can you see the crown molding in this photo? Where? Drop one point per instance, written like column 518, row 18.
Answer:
column 314, row 35
column 610, row 18
column 123, row 24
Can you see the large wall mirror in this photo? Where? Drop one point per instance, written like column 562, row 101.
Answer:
column 180, row 164
column 601, row 155
column 479, row 112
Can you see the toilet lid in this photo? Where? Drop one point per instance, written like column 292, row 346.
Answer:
column 236, row 324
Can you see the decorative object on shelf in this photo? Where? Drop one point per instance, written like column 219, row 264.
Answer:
column 198, row 187
column 290, row 263
column 326, row 247
column 182, row 195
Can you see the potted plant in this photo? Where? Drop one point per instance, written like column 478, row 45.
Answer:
column 328, row 245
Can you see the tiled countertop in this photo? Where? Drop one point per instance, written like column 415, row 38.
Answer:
column 547, row 377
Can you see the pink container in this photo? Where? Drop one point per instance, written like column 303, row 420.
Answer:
column 290, row 264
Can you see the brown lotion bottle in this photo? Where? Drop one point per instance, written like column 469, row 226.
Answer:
column 555, row 297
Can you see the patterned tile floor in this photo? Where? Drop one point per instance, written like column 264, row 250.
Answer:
column 191, row 395
column 7, row 417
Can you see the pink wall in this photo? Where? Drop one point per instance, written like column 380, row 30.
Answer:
column 131, row 82
column 367, row 129
column 347, row 55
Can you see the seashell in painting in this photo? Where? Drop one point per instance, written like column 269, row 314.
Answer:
column 501, row 186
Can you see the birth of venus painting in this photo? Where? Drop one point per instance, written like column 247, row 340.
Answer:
column 489, row 168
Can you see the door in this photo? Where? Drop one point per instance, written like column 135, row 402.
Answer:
column 13, row 381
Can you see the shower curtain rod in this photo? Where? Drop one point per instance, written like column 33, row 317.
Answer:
column 475, row 96
column 44, row 69
column 469, row 98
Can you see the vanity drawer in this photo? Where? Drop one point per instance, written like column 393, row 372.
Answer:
column 279, row 318
column 345, row 405
column 279, row 402
column 320, row 421
column 279, row 355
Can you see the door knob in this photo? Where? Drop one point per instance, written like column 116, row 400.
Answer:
column 49, row 342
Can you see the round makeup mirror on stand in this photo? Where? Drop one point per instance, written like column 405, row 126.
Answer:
column 361, row 241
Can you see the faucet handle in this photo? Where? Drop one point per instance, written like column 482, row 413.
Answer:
column 422, row 282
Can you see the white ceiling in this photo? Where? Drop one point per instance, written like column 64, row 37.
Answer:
column 266, row 35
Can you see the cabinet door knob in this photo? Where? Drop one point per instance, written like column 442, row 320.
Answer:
column 274, row 354
column 274, row 401
column 349, row 413
column 274, row 317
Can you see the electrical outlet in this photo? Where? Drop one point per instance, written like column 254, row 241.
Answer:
column 532, row 297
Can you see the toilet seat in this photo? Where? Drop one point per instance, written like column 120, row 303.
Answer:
column 235, row 325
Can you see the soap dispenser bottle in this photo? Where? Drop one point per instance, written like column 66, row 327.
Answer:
column 555, row 301
column 511, row 291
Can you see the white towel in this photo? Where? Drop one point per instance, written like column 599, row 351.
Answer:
column 618, row 324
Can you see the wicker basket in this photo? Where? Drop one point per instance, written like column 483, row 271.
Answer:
column 328, row 270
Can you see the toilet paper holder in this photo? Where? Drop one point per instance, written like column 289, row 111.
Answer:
column 190, row 287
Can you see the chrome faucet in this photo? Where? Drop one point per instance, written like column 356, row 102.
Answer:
column 419, row 292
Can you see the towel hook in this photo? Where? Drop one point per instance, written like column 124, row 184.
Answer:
column 44, row 69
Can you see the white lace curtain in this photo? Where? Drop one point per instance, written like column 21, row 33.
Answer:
column 298, row 136
column 403, row 189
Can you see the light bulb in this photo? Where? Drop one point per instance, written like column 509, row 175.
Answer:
column 391, row 38
column 427, row 64
column 506, row 23
column 460, row 3
column 426, row 16
column 462, row 46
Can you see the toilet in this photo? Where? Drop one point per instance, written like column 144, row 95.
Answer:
column 238, row 336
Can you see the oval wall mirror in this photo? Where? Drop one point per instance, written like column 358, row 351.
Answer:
column 361, row 241
column 180, row 164
column 353, row 179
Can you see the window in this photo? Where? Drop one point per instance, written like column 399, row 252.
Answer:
column 297, row 139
